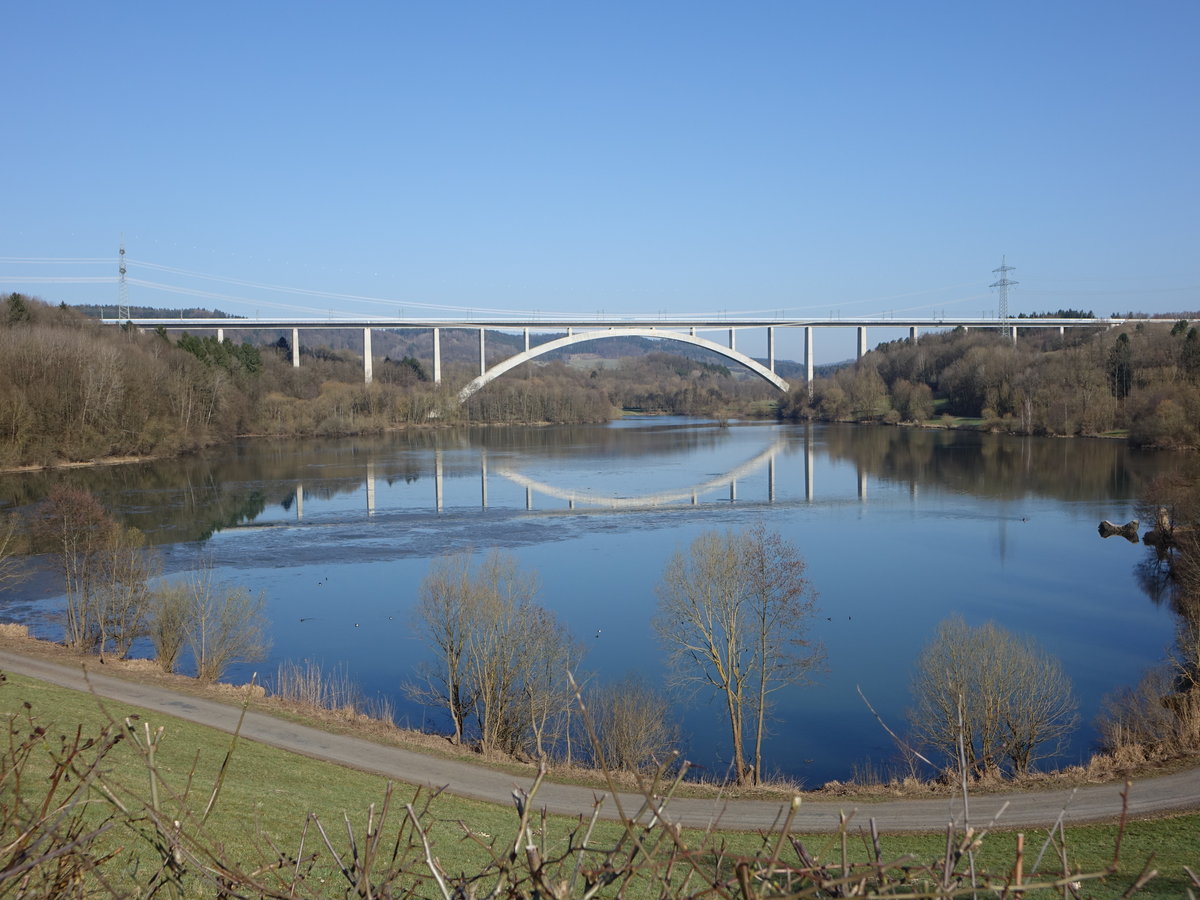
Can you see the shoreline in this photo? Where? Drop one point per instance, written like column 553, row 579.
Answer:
column 16, row 639
column 929, row 425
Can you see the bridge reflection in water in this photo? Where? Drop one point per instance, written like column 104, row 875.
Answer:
column 584, row 499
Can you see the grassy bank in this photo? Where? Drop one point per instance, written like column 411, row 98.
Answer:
column 270, row 801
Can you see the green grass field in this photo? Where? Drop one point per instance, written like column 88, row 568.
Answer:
column 267, row 797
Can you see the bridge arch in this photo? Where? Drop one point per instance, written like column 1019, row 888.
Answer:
column 582, row 337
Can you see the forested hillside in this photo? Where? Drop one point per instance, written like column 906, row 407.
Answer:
column 1142, row 381
column 72, row 390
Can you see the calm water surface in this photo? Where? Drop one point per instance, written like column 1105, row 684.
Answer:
column 900, row 528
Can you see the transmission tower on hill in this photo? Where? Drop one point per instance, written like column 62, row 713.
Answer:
column 122, row 289
column 1004, row 283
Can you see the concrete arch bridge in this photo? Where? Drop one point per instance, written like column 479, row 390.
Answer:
column 530, row 353
column 580, row 330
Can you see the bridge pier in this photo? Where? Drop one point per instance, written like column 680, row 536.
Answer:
column 220, row 335
column 912, row 334
column 366, row 355
column 370, row 487
column 437, row 356
column 771, row 349
column 483, row 477
column 862, row 341
column 482, row 359
column 808, row 464
column 295, row 348
column 808, row 359
column 732, row 339
column 437, row 479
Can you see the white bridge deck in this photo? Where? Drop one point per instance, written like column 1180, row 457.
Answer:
column 589, row 328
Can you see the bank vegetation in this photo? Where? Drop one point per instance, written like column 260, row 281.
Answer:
column 1141, row 382
column 74, row 391
column 110, row 807
column 733, row 615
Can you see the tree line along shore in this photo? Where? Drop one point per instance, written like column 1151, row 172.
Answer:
column 73, row 391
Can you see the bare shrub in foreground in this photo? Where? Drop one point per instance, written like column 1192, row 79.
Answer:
column 309, row 684
column 51, row 848
column 168, row 622
column 634, row 731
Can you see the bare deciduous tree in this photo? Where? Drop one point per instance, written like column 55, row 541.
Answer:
column 446, row 600
column 1015, row 701
column 226, row 624
column 73, row 527
column 168, row 622
column 106, row 570
column 501, row 659
column 122, row 595
column 733, row 613
column 12, row 569
column 496, row 649
column 550, row 654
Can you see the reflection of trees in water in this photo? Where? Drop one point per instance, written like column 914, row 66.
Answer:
column 1170, row 571
column 996, row 466
column 196, row 495
column 1153, row 576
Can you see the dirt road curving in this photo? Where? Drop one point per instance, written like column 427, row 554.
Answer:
column 1175, row 792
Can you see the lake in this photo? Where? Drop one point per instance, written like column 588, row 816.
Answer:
column 900, row 528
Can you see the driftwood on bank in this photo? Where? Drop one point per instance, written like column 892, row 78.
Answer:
column 1162, row 535
column 1129, row 530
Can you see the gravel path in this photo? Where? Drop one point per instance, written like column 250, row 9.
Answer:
column 1175, row 792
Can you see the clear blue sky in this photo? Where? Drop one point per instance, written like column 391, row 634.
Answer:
column 812, row 158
